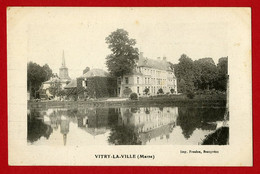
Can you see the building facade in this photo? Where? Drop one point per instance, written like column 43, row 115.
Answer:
column 149, row 74
column 96, row 83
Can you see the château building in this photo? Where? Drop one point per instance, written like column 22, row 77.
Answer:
column 151, row 74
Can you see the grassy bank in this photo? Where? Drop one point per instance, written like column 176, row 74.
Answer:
column 159, row 101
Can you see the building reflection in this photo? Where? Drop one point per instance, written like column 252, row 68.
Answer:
column 93, row 120
column 56, row 118
column 150, row 122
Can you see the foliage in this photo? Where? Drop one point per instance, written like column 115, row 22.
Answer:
column 55, row 88
column 205, row 73
column 160, row 91
column 146, row 91
column 222, row 68
column 124, row 55
column 72, row 93
column 192, row 118
column 36, row 75
column 185, row 70
column 97, row 87
column 190, row 95
column 182, row 86
column 61, row 93
column 123, row 135
column 36, row 127
column 133, row 96
column 47, row 72
column 172, row 91
column 201, row 74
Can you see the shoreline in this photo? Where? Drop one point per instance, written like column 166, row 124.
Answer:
column 128, row 103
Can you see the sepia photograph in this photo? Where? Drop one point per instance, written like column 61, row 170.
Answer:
column 126, row 78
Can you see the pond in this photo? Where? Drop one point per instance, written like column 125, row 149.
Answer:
column 122, row 126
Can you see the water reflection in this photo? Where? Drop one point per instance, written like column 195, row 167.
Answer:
column 122, row 126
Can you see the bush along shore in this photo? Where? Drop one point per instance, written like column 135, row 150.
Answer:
column 160, row 100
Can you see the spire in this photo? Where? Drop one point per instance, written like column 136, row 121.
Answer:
column 64, row 139
column 63, row 60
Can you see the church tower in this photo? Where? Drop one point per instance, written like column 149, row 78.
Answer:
column 64, row 73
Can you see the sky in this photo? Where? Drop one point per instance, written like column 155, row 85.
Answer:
column 159, row 32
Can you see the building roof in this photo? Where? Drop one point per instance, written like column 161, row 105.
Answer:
column 156, row 64
column 72, row 84
column 134, row 72
column 95, row 73
column 56, row 79
column 53, row 79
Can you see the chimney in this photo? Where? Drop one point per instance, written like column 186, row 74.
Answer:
column 164, row 58
column 158, row 58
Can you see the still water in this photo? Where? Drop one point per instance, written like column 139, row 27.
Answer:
column 122, row 126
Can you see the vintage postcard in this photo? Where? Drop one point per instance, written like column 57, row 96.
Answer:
column 121, row 86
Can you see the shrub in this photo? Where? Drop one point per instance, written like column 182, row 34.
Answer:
column 133, row 96
column 190, row 94
column 172, row 91
column 160, row 91
column 146, row 91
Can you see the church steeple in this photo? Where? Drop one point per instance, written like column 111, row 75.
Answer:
column 63, row 60
column 64, row 73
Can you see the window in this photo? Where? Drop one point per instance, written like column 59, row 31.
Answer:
column 137, row 89
column 83, row 84
column 126, row 80
column 137, row 80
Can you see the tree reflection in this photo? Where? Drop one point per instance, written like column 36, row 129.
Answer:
column 36, row 127
column 123, row 135
column 190, row 119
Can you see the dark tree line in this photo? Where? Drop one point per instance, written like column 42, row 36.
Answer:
column 37, row 74
column 201, row 74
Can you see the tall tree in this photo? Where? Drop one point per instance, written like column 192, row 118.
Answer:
column 124, row 55
column 48, row 72
column 185, row 70
column 205, row 73
column 36, row 75
column 222, row 68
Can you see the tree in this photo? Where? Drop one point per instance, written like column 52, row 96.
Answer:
column 182, row 86
column 172, row 91
column 222, row 68
column 133, row 96
column 205, row 73
column 124, row 56
column 185, row 70
column 36, row 75
column 146, row 91
column 48, row 72
column 55, row 88
column 160, row 91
